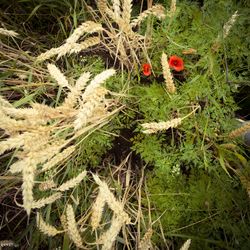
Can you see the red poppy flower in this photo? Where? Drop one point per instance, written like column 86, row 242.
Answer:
column 176, row 63
column 146, row 69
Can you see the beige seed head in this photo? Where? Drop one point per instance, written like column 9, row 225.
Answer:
column 58, row 158
column 102, row 5
column 57, row 75
column 45, row 113
column 82, row 81
column 114, row 205
column 46, row 152
column 16, row 141
column 154, row 127
column 117, row 8
column 172, row 8
column 97, row 81
column 186, row 245
column 45, row 227
column 46, row 185
column 8, row 243
column 167, row 74
column 240, row 131
column 156, row 10
column 65, row 49
column 72, row 183
column 12, row 126
column 78, row 47
column 48, row 54
column 47, row 200
column 6, row 32
column 4, row 103
column 18, row 166
column 63, row 220
column 27, row 186
column 20, row 113
column 108, row 237
column 19, row 140
column 75, row 92
column 229, row 24
column 145, row 243
column 94, row 100
column 86, row 27
column 127, row 9
column 72, row 227
column 97, row 210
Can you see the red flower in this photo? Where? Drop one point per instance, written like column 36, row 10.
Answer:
column 176, row 63
column 146, row 69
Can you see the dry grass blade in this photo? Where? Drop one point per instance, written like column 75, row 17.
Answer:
column 72, row 227
column 72, row 183
column 45, row 227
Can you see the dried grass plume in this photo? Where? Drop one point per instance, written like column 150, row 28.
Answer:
column 72, row 227
column 167, row 74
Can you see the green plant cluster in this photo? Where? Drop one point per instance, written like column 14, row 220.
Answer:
column 193, row 187
column 191, row 172
column 211, row 209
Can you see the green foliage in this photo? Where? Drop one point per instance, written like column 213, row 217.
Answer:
column 192, row 143
column 189, row 187
column 63, row 15
column 91, row 151
column 207, row 208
